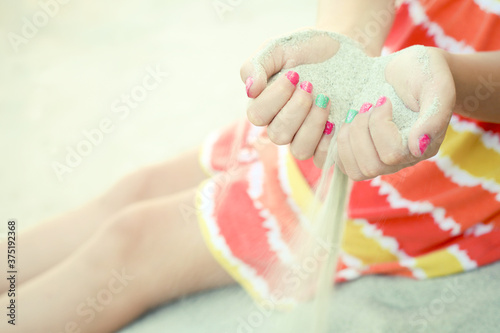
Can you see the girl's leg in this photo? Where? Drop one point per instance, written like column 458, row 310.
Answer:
column 148, row 254
column 49, row 242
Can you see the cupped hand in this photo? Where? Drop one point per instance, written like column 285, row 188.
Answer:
column 293, row 112
column 370, row 144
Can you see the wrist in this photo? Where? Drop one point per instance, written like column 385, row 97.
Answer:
column 451, row 60
column 372, row 46
column 364, row 34
column 367, row 22
column 477, row 84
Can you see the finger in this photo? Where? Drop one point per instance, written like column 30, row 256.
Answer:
column 262, row 110
column 256, row 72
column 289, row 119
column 364, row 152
column 386, row 136
column 338, row 163
column 437, row 100
column 309, row 134
column 322, row 150
column 346, row 150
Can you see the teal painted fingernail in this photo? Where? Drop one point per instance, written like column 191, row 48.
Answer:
column 322, row 101
column 350, row 116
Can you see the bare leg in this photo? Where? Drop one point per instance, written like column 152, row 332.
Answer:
column 49, row 242
column 144, row 256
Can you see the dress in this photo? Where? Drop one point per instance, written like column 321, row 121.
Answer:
column 439, row 217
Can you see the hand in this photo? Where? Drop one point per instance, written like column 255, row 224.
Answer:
column 289, row 110
column 372, row 145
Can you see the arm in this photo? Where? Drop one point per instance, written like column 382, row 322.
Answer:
column 366, row 21
column 477, row 82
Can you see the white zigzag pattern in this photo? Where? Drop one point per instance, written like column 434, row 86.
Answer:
column 461, row 255
column 479, row 230
column 255, row 190
column 354, row 267
column 419, row 17
column 392, row 245
column 490, row 6
column 463, row 178
column 489, row 139
column 417, row 207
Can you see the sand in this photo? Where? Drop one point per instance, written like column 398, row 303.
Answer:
column 350, row 78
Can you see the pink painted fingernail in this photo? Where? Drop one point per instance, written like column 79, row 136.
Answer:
column 381, row 101
column 293, row 77
column 329, row 128
column 306, row 86
column 365, row 107
column 423, row 143
column 248, row 84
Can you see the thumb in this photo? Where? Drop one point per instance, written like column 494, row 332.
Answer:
column 437, row 101
column 257, row 70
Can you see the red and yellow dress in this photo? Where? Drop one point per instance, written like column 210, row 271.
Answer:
column 439, row 217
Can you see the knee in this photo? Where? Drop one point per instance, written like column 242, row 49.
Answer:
column 130, row 230
column 129, row 189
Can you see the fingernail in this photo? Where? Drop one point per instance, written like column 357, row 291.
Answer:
column 293, row 77
column 365, row 107
column 322, row 101
column 329, row 128
column 248, row 84
column 306, row 86
column 350, row 116
column 381, row 101
column 423, row 143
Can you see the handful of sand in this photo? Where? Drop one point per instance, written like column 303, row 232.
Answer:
column 350, row 77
